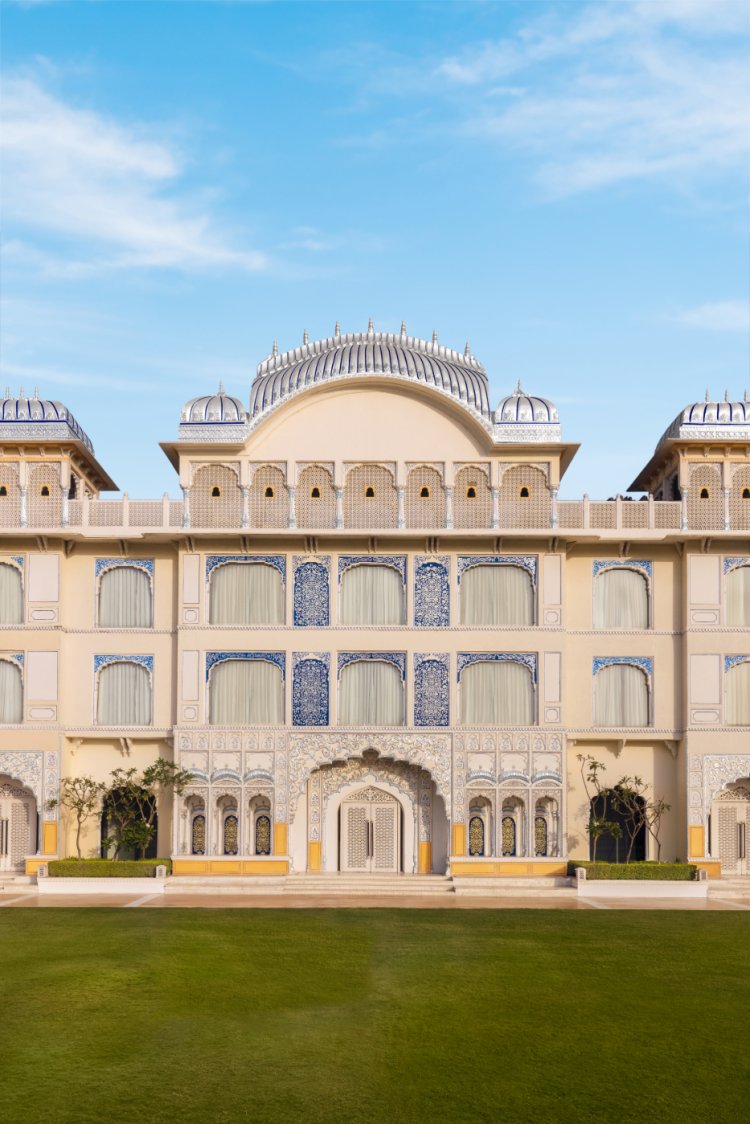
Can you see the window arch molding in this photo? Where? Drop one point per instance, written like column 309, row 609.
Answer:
column 641, row 664
column 13, row 693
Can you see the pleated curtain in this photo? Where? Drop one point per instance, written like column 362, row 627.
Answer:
column 620, row 599
column 621, row 694
column 124, row 695
column 497, row 595
column 372, row 594
column 496, row 693
column 246, row 593
column 11, row 693
column 246, row 693
column 738, row 596
column 738, row 695
column 125, row 598
column 11, row 595
column 371, row 693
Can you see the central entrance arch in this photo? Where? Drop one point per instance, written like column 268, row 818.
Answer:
column 370, row 832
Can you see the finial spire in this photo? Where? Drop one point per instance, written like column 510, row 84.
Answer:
column 519, row 388
column 36, row 392
column 434, row 336
column 403, row 327
column 708, row 396
column 726, row 395
column 275, row 348
column 305, row 337
column 370, row 327
column 337, row 331
column 467, row 350
column 21, row 393
column 221, row 387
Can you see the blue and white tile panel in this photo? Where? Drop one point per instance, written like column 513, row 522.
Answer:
column 276, row 560
column 528, row 562
column 310, row 688
column 142, row 661
column 732, row 661
column 278, row 658
column 643, row 566
column 397, row 561
column 736, row 561
column 645, row 663
column 398, row 659
column 145, row 564
column 432, row 607
column 528, row 659
column 311, row 607
column 431, row 689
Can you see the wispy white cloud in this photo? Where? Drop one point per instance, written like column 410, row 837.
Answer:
column 718, row 316
column 85, row 193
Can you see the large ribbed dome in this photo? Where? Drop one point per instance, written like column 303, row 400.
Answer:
column 371, row 353
column 39, row 417
column 712, row 419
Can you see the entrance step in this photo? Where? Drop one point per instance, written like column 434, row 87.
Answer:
column 729, row 887
column 225, row 884
column 480, row 886
column 369, row 885
column 16, row 881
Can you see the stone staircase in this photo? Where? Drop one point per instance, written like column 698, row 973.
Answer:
column 485, row 887
column 730, row 887
column 369, row 885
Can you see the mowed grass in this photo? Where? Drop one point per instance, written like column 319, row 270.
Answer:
column 363, row 1015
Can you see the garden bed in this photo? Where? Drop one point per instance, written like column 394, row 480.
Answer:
column 638, row 880
column 106, row 868
column 646, row 871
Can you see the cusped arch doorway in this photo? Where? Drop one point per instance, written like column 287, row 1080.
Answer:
column 18, row 824
column 370, row 833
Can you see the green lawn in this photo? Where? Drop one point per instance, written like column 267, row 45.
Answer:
column 362, row 1015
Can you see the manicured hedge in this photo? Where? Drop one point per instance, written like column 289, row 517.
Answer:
column 107, row 868
column 648, row 871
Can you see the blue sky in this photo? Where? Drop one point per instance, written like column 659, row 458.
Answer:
column 565, row 185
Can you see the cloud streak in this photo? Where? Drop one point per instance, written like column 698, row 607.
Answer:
column 717, row 316
column 100, row 195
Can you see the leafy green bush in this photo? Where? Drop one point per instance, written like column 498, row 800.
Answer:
column 647, row 871
column 107, row 868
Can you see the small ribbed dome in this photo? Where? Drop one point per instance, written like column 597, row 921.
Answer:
column 712, row 418
column 371, row 353
column 520, row 408
column 213, row 408
column 53, row 419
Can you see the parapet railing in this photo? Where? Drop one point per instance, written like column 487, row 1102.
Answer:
column 165, row 515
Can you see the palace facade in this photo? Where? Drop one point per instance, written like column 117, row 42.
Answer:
column 371, row 630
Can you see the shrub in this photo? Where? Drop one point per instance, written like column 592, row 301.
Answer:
column 647, row 871
column 107, row 868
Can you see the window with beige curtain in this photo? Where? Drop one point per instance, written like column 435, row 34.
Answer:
column 123, row 695
column 496, row 693
column 620, row 598
column 246, row 692
column 371, row 594
column 738, row 596
column 11, row 594
column 125, row 598
column 497, row 594
column 738, row 695
column 246, row 593
column 11, row 692
column 621, row 696
column 371, row 693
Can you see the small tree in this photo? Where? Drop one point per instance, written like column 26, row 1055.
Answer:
column 81, row 796
column 628, row 799
column 654, row 813
column 132, row 801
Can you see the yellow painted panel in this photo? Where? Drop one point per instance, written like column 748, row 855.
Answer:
column 712, row 867
column 424, row 862
column 49, row 838
column 314, row 856
column 279, row 839
column 459, row 839
column 219, row 867
column 226, row 868
column 31, row 866
column 490, row 869
column 188, row 866
column 696, row 840
column 275, row 866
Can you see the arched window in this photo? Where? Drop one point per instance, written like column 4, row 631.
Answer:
column 231, row 834
column 371, row 594
column 524, row 497
column 316, row 498
column 215, row 497
column 246, row 593
column 512, row 828
column 198, row 834
column 246, row 692
column 371, row 693
column 497, row 693
column 44, row 507
column 480, row 828
column 11, row 692
column 370, row 497
column 738, row 596
column 621, row 696
column 269, row 498
column 123, row 694
column 497, row 594
column 545, row 827
column 704, row 503
column 125, row 598
column 11, row 594
column 424, row 498
column 738, row 694
column 620, row 598
column 739, row 499
column 472, row 498
column 262, row 833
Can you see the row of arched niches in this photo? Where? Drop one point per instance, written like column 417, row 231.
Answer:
column 369, row 497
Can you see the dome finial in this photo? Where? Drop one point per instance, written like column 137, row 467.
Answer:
column 434, row 336
column 467, row 350
column 708, row 396
column 36, row 392
column 370, row 327
column 519, row 388
column 275, row 348
column 337, row 331
column 726, row 395
column 403, row 327
column 21, row 394
column 221, row 387
column 305, row 337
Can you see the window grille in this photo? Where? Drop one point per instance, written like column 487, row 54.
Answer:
column 472, row 510
column 378, row 510
column 425, row 498
column 524, row 498
column 269, row 498
column 739, row 500
column 207, row 510
column 319, row 510
column 231, row 834
column 476, row 836
column 263, row 834
column 706, row 513
column 198, row 839
column 44, row 509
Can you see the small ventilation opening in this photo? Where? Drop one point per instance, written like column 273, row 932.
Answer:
column 215, row 492
column 369, row 492
column 424, row 492
column 524, row 493
column 315, row 493
column 745, row 493
column 268, row 493
column 471, row 492
column 3, row 490
column 704, row 494
column 44, row 490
